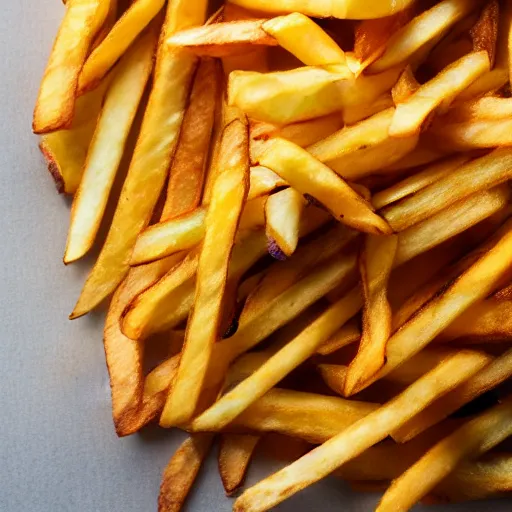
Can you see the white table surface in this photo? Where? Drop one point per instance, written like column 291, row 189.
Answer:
column 58, row 449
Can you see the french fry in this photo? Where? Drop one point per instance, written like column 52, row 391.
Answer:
column 479, row 174
column 253, row 215
column 422, row 154
column 309, row 176
column 488, row 83
column 417, row 181
column 181, row 472
column 348, row 334
column 375, row 264
column 359, row 436
column 235, row 453
column 107, row 146
column 405, row 86
column 493, row 374
column 57, row 94
column 228, row 196
column 471, row 440
column 150, row 162
column 263, row 181
column 438, row 92
column 350, row 9
column 186, row 176
column 303, row 38
column 486, row 108
column 426, row 27
column 123, row 33
column 109, row 22
column 485, row 31
column 282, row 219
column 504, row 293
column 353, row 114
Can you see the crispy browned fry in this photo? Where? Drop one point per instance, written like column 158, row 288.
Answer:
column 186, row 175
column 358, row 437
column 349, row 333
column 496, row 372
column 57, row 94
column 405, row 86
column 485, row 31
column 309, row 176
column 107, row 146
column 471, row 440
column 235, row 453
column 150, row 161
column 181, row 472
column 263, row 181
column 504, row 293
column 428, row 26
column 125, row 31
column 375, row 264
column 479, row 174
column 222, row 218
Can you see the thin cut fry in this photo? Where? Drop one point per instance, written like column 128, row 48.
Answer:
column 57, row 94
column 442, row 89
column 122, row 35
column 107, row 146
column 375, row 265
column 181, row 472
column 358, row 437
column 150, row 161
column 309, row 176
column 471, row 440
column 235, row 453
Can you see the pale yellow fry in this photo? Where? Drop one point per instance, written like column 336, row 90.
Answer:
column 469, row 441
column 428, row 26
column 375, row 265
column 150, row 162
column 442, row 89
column 57, row 93
column 360, row 436
column 263, row 181
column 283, row 211
column 352, row 9
column 479, row 174
column 228, row 196
column 305, row 39
column 122, row 35
column 417, row 181
column 278, row 366
column 107, row 146
column 309, row 176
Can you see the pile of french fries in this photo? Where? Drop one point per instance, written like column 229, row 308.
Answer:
column 314, row 226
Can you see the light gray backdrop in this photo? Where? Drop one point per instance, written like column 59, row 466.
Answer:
column 58, row 450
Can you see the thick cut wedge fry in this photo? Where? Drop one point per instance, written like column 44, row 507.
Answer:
column 440, row 91
column 471, row 440
column 65, row 151
column 57, row 94
column 223, row 39
column 358, row 437
column 107, row 146
column 351, row 9
column 479, row 174
column 235, row 453
column 283, row 211
column 181, row 472
column 186, row 176
column 428, row 26
column 309, row 176
column 303, row 38
column 485, row 31
column 228, row 196
column 375, row 265
column 496, row 372
column 263, row 181
column 150, row 161
column 122, row 35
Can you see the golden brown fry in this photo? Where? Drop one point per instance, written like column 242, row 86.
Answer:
column 375, row 264
column 125, row 31
column 263, row 181
column 107, row 146
column 471, row 440
column 150, row 161
column 485, row 31
column 57, row 94
column 488, row 83
column 235, row 453
column 479, row 174
column 309, row 176
column 349, row 333
column 181, row 472
column 486, row 108
column 358, row 437
column 405, row 87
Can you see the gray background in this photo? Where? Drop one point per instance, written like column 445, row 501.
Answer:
column 58, row 450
